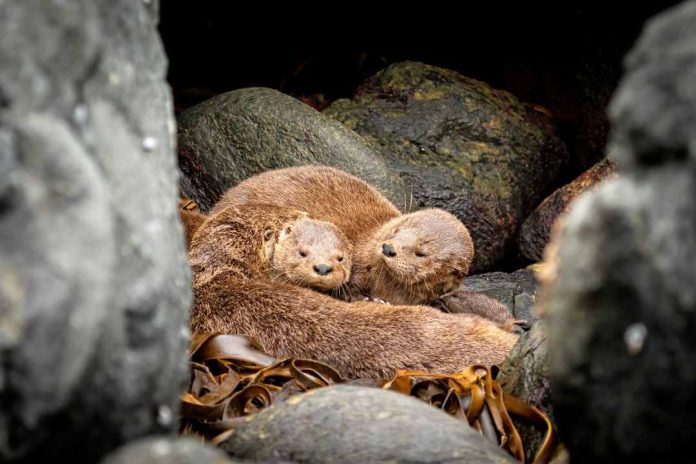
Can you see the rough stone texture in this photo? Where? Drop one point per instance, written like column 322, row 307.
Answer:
column 94, row 285
column 525, row 374
column 654, row 108
column 623, row 307
column 462, row 146
column 162, row 450
column 232, row 136
column 359, row 424
column 516, row 290
column 536, row 229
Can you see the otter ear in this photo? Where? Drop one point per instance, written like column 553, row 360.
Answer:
column 284, row 233
column 267, row 235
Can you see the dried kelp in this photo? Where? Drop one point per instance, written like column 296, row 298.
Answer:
column 232, row 378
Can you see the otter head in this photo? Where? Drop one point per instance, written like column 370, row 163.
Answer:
column 311, row 254
column 429, row 247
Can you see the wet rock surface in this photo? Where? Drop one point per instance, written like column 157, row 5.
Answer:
column 359, row 424
column 235, row 135
column 536, row 229
column 622, row 309
column 525, row 375
column 460, row 145
column 94, row 285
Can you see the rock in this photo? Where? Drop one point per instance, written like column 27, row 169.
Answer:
column 654, row 124
column 359, row 424
column 623, row 306
column 525, row 375
column 94, row 284
column 536, row 229
column 162, row 450
column 232, row 136
column 475, row 151
column 516, row 290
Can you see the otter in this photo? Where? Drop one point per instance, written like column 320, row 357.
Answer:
column 276, row 243
column 359, row 339
column 468, row 302
column 400, row 258
column 192, row 221
column 191, row 218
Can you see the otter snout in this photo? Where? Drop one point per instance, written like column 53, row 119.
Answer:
column 322, row 269
column 388, row 250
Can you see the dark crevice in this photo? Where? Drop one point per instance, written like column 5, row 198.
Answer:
column 565, row 57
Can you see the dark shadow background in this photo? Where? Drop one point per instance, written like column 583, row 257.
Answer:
column 566, row 57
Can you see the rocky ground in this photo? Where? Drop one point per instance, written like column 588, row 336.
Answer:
column 94, row 284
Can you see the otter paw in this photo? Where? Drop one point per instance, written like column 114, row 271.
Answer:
column 520, row 326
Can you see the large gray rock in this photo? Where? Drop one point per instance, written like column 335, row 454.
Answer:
column 525, row 375
column 94, row 285
column 623, row 307
column 460, row 145
column 232, row 136
column 359, row 424
column 161, row 450
column 654, row 109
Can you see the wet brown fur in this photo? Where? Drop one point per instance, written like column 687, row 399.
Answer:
column 362, row 339
column 191, row 220
column 368, row 220
column 466, row 302
column 259, row 241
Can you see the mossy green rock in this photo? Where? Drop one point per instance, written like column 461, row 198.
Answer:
column 238, row 134
column 360, row 424
column 461, row 145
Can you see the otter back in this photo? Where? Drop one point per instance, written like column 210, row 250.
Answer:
column 402, row 259
column 364, row 339
column 327, row 194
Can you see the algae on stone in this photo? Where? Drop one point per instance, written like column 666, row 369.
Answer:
column 460, row 145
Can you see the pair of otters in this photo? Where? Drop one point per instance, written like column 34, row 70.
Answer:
column 275, row 243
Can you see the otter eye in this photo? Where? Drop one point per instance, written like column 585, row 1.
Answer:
column 303, row 253
column 340, row 259
column 288, row 229
column 421, row 254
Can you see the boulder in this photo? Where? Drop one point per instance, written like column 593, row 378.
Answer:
column 623, row 305
column 94, row 283
column 525, row 375
column 460, row 145
column 235, row 135
column 162, row 450
column 536, row 229
column 359, row 424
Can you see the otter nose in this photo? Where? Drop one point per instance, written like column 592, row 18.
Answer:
column 388, row 250
column 322, row 269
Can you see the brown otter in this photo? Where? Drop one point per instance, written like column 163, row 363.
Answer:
column 467, row 302
column 191, row 220
column 276, row 243
column 361, row 339
column 403, row 259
